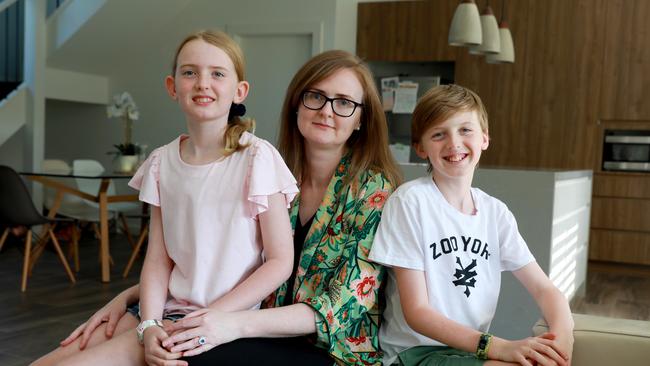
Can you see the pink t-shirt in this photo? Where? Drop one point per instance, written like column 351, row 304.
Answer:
column 209, row 216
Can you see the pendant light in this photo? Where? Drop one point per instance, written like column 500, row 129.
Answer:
column 507, row 52
column 490, row 29
column 465, row 29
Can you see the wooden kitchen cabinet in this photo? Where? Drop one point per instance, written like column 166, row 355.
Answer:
column 405, row 30
column 628, row 185
column 621, row 213
column 626, row 85
column 619, row 246
column 620, row 224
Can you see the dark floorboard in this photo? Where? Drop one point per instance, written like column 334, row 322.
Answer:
column 34, row 322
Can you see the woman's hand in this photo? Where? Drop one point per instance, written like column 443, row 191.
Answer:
column 215, row 326
column 542, row 350
column 110, row 313
column 154, row 353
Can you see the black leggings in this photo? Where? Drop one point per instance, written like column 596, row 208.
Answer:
column 264, row 351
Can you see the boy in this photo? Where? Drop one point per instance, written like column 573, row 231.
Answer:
column 447, row 244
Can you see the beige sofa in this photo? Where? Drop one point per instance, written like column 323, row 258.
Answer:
column 607, row 341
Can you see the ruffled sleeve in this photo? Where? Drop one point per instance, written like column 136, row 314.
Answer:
column 267, row 175
column 147, row 177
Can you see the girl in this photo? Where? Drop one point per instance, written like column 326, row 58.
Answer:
column 219, row 199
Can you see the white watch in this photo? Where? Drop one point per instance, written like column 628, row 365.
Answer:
column 144, row 325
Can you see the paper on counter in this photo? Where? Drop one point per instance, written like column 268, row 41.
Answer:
column 401, row 152
column 406, row 96
column 388, row 86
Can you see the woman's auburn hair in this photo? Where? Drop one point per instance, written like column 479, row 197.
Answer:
column 368, row 145
column 237, row 125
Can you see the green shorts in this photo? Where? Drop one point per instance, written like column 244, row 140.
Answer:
column 437, row 356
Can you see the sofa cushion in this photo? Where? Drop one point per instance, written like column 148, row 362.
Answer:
column 607, row 341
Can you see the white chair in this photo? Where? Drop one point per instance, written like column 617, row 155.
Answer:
column 71, row 206
column 93, row 168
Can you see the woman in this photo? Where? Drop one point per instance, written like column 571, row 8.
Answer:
column 334, row 139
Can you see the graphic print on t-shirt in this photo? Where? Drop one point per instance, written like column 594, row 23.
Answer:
column 465, row 275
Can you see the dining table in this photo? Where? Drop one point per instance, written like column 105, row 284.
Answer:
column 52, row 180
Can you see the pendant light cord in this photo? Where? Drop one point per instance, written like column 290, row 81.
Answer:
column 503, row 10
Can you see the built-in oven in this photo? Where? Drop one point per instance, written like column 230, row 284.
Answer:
column 626, row 150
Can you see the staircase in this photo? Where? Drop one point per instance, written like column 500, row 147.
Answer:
column 13, row 93
column 80, row 55
column 7, row 87
column 12, row 15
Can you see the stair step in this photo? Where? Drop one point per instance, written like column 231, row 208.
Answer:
column 7, row 87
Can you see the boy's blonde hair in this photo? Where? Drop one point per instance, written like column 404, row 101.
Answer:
column 237, row 125
column 440, row 103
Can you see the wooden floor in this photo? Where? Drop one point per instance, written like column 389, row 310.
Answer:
column 617, row 291
column 32, row 323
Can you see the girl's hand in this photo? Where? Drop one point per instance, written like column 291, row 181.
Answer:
column 215, row 326
column 154, row 353
column 542, row 350
column 110, row 313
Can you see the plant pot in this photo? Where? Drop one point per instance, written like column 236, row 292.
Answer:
column 126, row 163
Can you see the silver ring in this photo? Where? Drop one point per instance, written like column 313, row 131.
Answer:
column 202, row 340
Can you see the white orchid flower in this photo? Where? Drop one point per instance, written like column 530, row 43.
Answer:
column 134, row 114
column 123, row 105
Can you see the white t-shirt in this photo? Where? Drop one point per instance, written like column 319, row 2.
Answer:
column 209, row 216
column 462, row 257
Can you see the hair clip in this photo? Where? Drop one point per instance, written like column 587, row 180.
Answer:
column 236, row 110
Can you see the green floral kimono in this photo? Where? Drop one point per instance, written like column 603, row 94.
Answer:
column 334, row 275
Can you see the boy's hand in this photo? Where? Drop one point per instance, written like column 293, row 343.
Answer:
column 563, row 342
column 528, row 352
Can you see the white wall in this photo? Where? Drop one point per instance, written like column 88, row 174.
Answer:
column 76, row 86
column 11, row 152
column 142, row 71
column 79, row 130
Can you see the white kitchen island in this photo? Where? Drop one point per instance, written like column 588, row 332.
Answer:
column 552, row 208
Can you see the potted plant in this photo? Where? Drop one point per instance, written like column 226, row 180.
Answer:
column 128, row 153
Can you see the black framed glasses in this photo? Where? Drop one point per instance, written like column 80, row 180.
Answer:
column 340, row 106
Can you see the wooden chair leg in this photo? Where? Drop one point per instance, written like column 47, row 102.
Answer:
column 75, row 247
column 28, row 250
column 110, row 259
column 99, row 254
column 36, row 255
column 96, row 230
column 136, row 250
column 70, row 252
column 55, row 242
column 4, row 237
column 125, row 227
column 40, row 246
